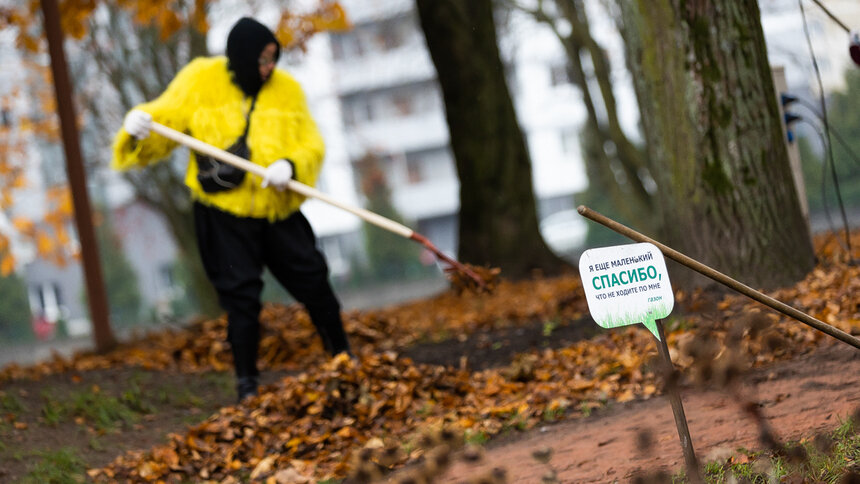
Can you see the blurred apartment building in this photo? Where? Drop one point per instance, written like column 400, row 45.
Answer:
column 373, row 92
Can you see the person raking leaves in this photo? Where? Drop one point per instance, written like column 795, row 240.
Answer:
column 243, row 223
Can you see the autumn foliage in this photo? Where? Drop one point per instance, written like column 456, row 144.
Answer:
column 22, row 128
column 49, row 235
column 339, row 417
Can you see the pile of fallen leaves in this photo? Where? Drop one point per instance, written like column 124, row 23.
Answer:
column 289, row 341
column 830, row 293
column 315, row 425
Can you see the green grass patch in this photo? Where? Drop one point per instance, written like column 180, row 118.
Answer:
column 553, row 415
column 179, row 397
column 476, row 437
column 514, row 421
column 825, row 458
column 103, row 411
column 62, row 466
column 223, row 381
column 10, row 403
column 549, row 327
column 52, row 410
column 135, row 400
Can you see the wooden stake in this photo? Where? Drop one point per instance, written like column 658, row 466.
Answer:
column 96, row 295
column 692, row 464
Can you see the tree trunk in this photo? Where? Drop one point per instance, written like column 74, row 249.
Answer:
column 498, row 219
column 709, row 113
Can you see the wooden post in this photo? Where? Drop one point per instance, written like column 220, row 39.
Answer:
column 96, row 296
column 793, row 152
column 692, row 464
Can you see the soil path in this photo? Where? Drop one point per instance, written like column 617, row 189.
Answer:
column 799, row 398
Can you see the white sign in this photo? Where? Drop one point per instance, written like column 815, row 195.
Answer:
column 626, row 284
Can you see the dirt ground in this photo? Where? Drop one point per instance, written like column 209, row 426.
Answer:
column 798, row 399
column 171, row 401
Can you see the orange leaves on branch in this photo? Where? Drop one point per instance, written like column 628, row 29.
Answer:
column 7, row 264
column 24, row 226
column 198, row 17
column 12, row 153
column 330, row 17
column 169, row 16
column 74, row 15
column 50, row 237
column 168, row 23
column 58, row 217
column 294, row 30
column 28, row 21
column 22, row 18
column 41, row 119
column 7, row 261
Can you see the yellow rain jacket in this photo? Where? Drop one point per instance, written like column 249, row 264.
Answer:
column 203, row 102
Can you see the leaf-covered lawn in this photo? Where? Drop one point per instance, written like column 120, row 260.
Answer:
column 335, row 418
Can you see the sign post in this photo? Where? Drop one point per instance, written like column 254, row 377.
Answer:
column 629, row 284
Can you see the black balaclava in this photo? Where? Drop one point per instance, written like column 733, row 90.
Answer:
column 245, row 43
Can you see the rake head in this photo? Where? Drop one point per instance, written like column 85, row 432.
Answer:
column 464, row 277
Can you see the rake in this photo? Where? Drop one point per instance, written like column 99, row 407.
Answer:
column 310, row 192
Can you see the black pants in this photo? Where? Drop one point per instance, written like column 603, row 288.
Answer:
column 235, row 250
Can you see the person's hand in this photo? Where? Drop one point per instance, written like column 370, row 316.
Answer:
column 137, row 123
column 278, row 174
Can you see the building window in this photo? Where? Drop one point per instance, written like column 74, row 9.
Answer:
column 413, row 170
column 391, row 34
column 403, row 101
column 46, row 301
column 404, row 104
column 58, row 294
column 376, row 37
column 358, row 110
column 559, row 75
column 166, row 276
column 427, row 165
column 569, row 141
column 346, row 46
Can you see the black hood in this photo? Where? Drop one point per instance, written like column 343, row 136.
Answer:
column 245, row 43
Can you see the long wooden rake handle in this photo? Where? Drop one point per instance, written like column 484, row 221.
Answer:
column 302, row 189
column 298, row 187
column 722, row 278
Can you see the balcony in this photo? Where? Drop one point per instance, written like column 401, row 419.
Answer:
column 431, row 199
column 407, row 64
column 368, row 11
column 398, row 135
